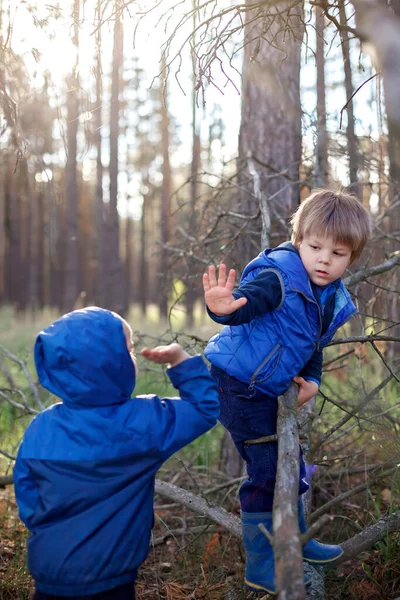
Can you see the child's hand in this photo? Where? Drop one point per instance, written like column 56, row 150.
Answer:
column 307, row 389
column 173, row 354
column 218, row 294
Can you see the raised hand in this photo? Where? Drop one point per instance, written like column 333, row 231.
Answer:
column 172, row 354
column 218, row 293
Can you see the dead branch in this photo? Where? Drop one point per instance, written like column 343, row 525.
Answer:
column 356, row 410
column 28, row 376
column 199, row 505
column 289, row 571
column 352, row 492
column 364, row 273
column 172, row 533
column 371, row 535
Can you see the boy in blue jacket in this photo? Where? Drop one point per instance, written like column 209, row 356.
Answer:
column 289, row 305
column 84, row 474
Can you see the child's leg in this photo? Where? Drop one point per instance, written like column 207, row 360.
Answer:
column 248, row 417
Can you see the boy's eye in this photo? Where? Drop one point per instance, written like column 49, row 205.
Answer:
column 338, row 254
column 314, row 247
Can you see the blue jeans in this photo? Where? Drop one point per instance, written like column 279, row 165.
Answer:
column 249, row 415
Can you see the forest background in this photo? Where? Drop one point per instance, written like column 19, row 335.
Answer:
column 140, row 142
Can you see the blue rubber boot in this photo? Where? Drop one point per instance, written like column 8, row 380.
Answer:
column 260, row 568
column 313, row 551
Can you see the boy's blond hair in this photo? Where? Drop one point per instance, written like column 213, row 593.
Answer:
column 338, row 215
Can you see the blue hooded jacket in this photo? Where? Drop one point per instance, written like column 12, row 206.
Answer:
column 271, row 349
column 84, row 474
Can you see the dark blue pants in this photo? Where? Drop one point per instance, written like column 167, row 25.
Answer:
column 250, row 415
column 123, row 592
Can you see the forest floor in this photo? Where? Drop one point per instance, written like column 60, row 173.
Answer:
column 205, row 562
column 205, row 565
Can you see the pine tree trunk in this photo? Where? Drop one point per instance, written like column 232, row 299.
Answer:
column 34, row 253
column 128, row 261
column 191, row 283
column 165, row 196
column 71, row 264
column 144, row 275
column 99, row 205
column 322, row 165
column 270, row 131
column 352, row 145
column 114, row 296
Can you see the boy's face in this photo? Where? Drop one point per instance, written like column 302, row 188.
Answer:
column 323, row 259
column 129, row 343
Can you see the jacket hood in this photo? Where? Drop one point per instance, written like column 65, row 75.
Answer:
column 83, row 359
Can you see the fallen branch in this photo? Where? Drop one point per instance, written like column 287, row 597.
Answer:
column 355, row 490
column 216, row 513
column 366, row 539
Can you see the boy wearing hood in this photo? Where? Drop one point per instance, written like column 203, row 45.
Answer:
column 289, row 305
column 85, row 471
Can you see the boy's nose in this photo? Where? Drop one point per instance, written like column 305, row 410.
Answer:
column 325, row 258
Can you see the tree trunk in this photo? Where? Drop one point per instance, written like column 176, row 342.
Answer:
column 128, row 261
column 165, row 194
column 231, row 462
column 71, row 262
column 270, row 131
column 35, row 236
column 114, row 297
column 191, row 284
column 321, row 159
column 144, row 275
column 99, row 205
column 352, row 144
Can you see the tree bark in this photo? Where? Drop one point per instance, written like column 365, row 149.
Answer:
column 322, row 165
column 352, row 144
column 99, row 205
column 191, row 284
column 289, row 572
column 165, row 194
column 114, row 297
column 270, row 130
column 71, row 264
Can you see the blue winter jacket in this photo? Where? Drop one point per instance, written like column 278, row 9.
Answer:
column 84, row 474
column 271, row 349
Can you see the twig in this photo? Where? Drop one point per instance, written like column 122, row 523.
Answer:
column 356, row 490
column 26, row 373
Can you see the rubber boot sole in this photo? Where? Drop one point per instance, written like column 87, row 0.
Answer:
column 322, row 562
column 253, row 587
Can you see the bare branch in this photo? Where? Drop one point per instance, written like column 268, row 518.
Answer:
column 286, row 541
column 362, row 274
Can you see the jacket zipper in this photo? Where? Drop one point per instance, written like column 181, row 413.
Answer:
column 341, row 322
column 260, row 366
column 319, row 314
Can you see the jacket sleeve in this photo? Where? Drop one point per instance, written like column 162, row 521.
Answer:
column 264, row 293
column 26, row 492
column 168, row 424
column 312, row 371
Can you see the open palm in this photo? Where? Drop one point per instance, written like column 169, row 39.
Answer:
column 218, row 292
